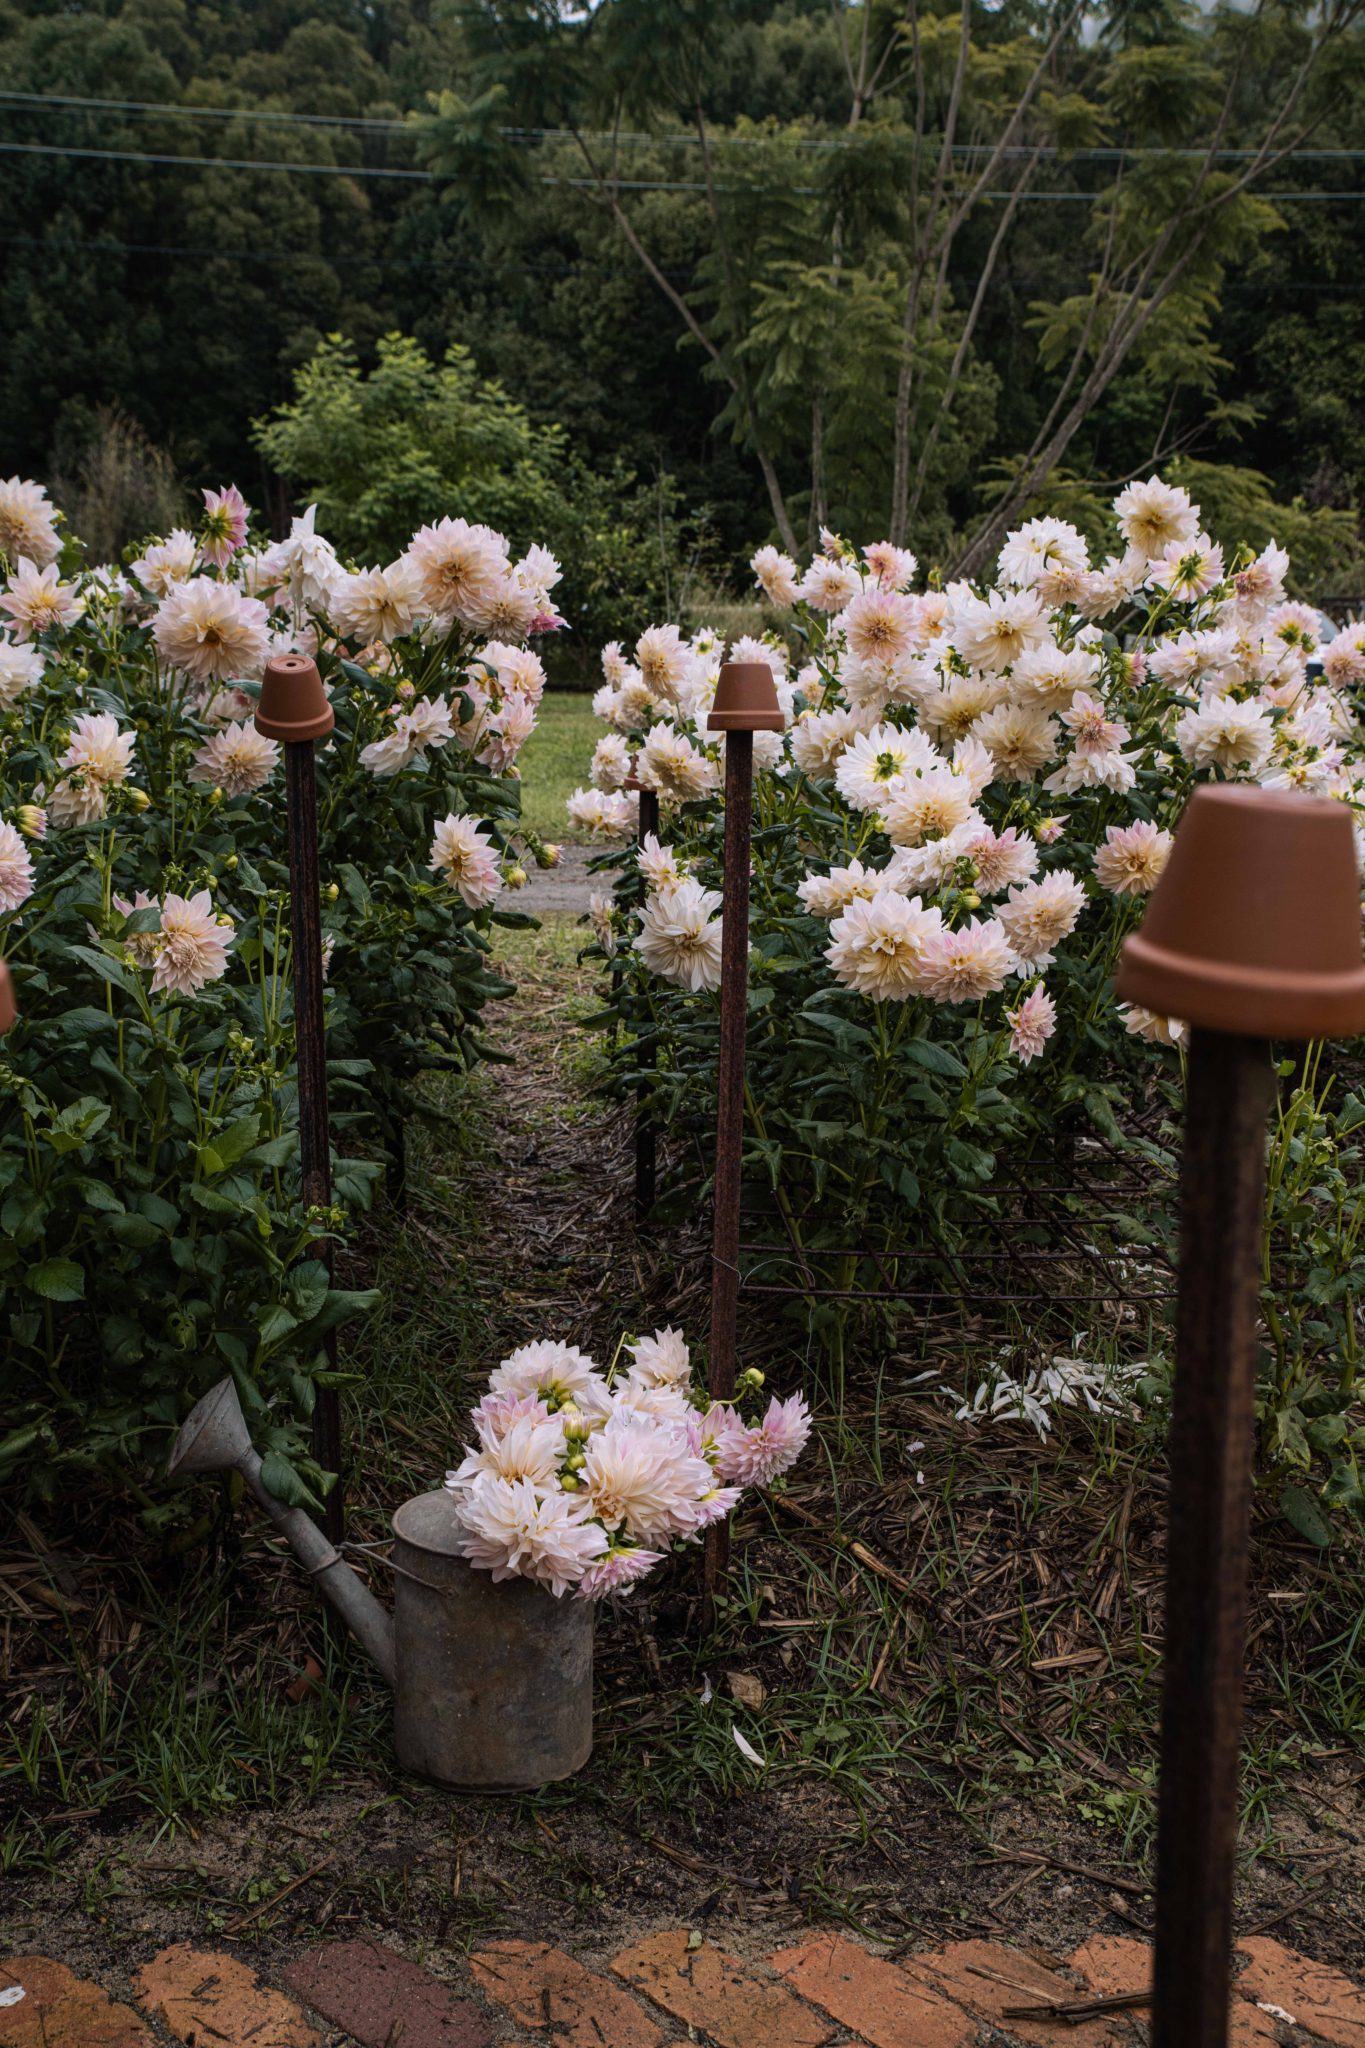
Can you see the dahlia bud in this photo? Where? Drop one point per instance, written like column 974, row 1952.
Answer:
column 516, row 878
column 970, row 900
column 140, row 800
column 552, row 856
column 751, row 1377
column 31, row 820
column 568, row 1483
column 331, row 892
column 230, row 863
column 215, row 797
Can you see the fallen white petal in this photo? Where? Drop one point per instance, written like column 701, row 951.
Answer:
column 747, row 1749
column 12, row 1993
column 706, row 1689
column 1277, row 2012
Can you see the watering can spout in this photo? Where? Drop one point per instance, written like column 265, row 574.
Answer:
column 214, row 1438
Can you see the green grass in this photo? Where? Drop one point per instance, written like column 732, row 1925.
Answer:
column 554, row 761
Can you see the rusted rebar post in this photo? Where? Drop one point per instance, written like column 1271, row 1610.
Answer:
column 293, row 708
column 1253, row 933
column 746, row 703
column 646, row 1134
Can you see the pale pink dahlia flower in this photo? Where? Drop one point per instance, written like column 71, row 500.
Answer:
column 194, row 945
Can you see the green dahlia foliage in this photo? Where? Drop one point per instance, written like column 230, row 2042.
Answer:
column 973, row 796
column 152, row 1233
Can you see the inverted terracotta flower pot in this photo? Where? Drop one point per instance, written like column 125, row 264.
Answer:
column 9, row 1009
column 746, row 699
column 293, row 704
column 1254, row 926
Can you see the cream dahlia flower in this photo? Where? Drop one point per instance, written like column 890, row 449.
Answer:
column 968, row 963
column 16, row 869
column 1155, row 516
column 1132, row 857
column 377, row 604
column 514, row 1532
column 1031, row 1023
column 21, row 666
column 236, row 760
column 875, row 763
column 194, row 943
column 464, row 857
column 680, row 938
column 879, row 945
column 459, row 568
column 1037, row 916
column 38, row 601
column 28, row 523
column 826, row 895
column 210, row 631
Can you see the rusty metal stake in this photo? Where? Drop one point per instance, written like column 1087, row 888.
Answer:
column 315, row 1148
column 734, row 998
column 1230, row 1083
column 646, row 1134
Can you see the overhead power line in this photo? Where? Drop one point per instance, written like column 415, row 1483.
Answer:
column 384, row 124
column 229, row 163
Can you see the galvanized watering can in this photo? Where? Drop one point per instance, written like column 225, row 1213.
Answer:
column 492, row 1684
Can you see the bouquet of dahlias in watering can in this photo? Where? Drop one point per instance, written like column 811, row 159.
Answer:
column 579, row 1483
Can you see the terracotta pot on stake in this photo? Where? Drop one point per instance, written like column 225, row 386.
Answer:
column 646, row 1132
column 293, row 708
column 746, row 703
column 1253, row 933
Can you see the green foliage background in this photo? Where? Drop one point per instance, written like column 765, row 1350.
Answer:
column 548, row 378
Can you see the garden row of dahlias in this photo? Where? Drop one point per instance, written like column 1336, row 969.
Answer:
column 974, row 794
column 153, row 1229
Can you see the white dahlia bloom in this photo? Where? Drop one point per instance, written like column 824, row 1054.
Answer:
column 1037, row 916
column 194, row 943
column 819, row 739
column 680, row 939
column 236, row 760
column 459, row 568
column 826, row 895
column 464, row 857
column 377, row 604
column 874, row 764
column 167, row 562
column 879, row 945
column 664, row 661
column 669, row 763
column 38, row 601
column 514, row 1532
column 829, row 584
column 1146, row 1024
column 879, row 626
column 992, row 632
column 968, row 963
column 1039, row 548
column 606, row 816
column 610, row 762
column 1020, row 739
column 646, row 1480
column 1155, row 516
column 777, row 574
column 1001, row 859
column 954, row 708
column 1188, row 569
column 926, row 806
column 1054, row 674
column 894, row 568
column 524, row 1442
column 1228, row 734
column 663, row 1360
column 559, row 1374
column 1132, row 857
column 658, row 864
column 303, row 565
column 28, row 523
column 210, row 631
column 21, row 666
column 16, row 869
column 99, row 749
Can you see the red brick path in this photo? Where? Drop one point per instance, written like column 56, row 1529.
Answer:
column 825, row 1991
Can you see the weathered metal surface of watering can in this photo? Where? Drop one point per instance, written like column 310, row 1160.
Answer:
column 492, row 1683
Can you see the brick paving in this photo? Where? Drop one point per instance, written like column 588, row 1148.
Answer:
column 824, row 1991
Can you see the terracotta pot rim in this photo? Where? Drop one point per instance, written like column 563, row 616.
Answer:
column 1252, row 1001
column 746, row 721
